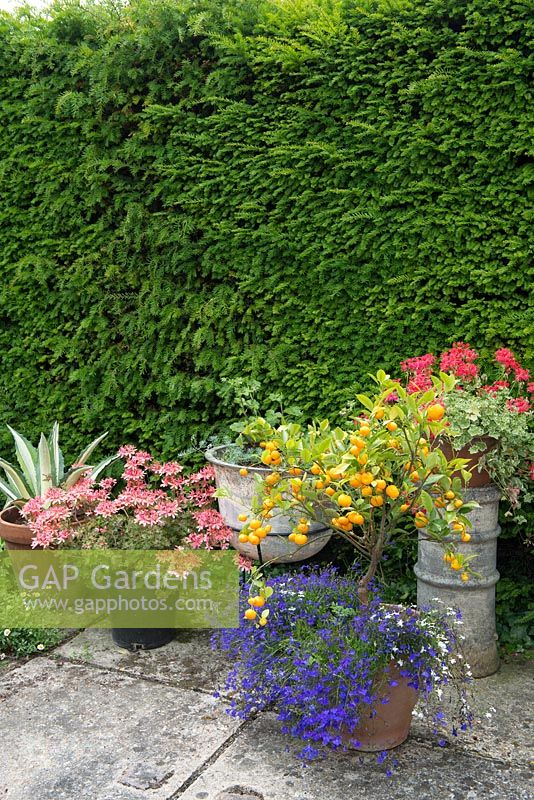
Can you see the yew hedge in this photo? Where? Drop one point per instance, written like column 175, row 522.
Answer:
column 296, row 193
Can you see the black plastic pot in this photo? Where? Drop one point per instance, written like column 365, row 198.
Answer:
column 142, row 638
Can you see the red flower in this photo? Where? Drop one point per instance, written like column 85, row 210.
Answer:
column 420, row 369
column 519, row 404
column 495, row 387
column 522, row 374
column 505, row 357
column 460, row 361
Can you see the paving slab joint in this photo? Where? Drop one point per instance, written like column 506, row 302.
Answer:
column 212, row 759
column 80, row 662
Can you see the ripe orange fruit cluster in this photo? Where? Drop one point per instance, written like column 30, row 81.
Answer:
column 258, row 601
column 456, row 563
column 299, row 532
column 254, row 532
column 271, row 455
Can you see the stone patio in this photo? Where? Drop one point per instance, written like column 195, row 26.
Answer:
column 92, row 722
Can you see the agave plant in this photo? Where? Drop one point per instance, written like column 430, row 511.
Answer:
column 43, row 467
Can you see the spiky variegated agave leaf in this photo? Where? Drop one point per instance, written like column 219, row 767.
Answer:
column 76, row 473
column 15, row 481
column 56, row 456
column 8, row 491
column 28, row 459
column 45, row 465
column 100, row 467
column 73, row 476
column 84, row 455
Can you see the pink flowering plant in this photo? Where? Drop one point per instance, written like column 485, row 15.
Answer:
column 153, row 505
column 494, row 402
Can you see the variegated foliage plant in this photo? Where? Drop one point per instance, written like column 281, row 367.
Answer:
column 43, row 467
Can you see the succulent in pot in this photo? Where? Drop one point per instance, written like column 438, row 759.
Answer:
column 40, row 469
column 152, row 505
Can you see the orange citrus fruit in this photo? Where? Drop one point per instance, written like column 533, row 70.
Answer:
column 435, row 413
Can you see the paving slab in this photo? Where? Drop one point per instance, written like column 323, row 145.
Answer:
column 73, row 732
column 188, row 661
column 99, row 723
column 504, row 708
column 261, row 765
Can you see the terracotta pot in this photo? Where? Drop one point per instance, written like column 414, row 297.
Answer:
column 386, row 725
column 480, row 478
column 14, row 530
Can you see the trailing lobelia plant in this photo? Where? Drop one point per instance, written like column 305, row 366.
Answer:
column 328, row 664
column 43, row 467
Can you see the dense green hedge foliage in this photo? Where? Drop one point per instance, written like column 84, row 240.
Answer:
column 298, row 192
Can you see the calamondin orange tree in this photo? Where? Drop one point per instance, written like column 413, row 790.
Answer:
column 370, row 481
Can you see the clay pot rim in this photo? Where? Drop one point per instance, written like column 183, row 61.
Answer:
column 490, row 441
column 13, row 507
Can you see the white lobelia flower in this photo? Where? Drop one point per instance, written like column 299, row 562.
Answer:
column 7, row 632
